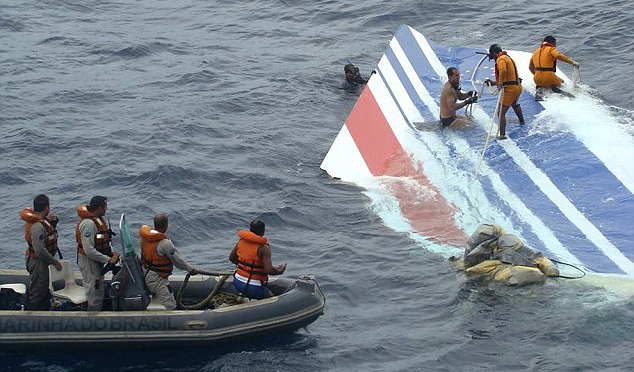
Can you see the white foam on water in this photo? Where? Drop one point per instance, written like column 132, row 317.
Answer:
column 591, row 121
column 387, row 207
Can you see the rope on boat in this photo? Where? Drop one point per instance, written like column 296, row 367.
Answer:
column 496, row 112
column 223, row 299
column 205, row 301
column 214, row 273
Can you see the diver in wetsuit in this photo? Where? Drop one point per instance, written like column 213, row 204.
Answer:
column 353, row 76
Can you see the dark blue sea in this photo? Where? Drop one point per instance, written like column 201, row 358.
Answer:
column 218, row 112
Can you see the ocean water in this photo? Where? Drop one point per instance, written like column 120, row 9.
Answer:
column 219, row 112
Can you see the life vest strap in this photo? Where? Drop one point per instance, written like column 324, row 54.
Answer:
column 250, row 264
column 153, row 268
column 159, row 268
column 107, row 251
column 511, row 82
column 150, row 263
column 545, row 69
column 252, row 271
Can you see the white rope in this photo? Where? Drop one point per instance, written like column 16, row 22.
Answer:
column 482, row 90
column 576, row 77
column 496, row 111
column 490, row 88
column 468, row 111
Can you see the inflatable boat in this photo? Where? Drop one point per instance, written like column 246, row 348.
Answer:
column 210, row 309
column 562, row 183
column 297, row 303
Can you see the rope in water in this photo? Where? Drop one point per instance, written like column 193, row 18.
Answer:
column 571, row 265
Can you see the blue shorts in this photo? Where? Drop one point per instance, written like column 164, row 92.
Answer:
column 256, row 292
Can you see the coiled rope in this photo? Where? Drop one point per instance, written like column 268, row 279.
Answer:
column 205, row 301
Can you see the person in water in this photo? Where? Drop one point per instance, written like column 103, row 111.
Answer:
column 159, row 256
column 94, row 251
column 252, row 256
column 451, row 93
column 543, row 66
column 41, row 237
column 353, row 76
column 506, row 78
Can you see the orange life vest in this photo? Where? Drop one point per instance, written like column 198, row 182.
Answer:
column 150, row 239
column 249, row 263
column 542, row 58
column 511, row 77
column 50, row 240
column 544, row 63
column 102, row 239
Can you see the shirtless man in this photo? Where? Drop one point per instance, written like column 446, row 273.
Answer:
column 451, row 93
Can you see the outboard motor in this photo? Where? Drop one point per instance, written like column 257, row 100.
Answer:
column 128, row 290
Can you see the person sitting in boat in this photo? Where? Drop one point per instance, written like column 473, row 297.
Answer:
column 451, row 93
column 543, row 66
column 252, row 256
column 159, row 256
column 507, row 78
column 41, row 237
column 94, row 251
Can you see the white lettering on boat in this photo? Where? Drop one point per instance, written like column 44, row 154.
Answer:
column 105, row 324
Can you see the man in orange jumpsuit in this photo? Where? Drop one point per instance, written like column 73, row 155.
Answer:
column 543, row 66
column 506, row 78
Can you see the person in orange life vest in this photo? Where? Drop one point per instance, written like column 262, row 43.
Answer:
column 252, row 255
column 543, row 64
column 451, row 92
column 93, row 249
column 506, row 77
column 41, row 236
column 159, row 256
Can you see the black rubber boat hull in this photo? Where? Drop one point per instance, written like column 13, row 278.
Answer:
column 299, row 303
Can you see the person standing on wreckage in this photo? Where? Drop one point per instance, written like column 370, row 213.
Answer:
column 93, row 237
column 543, row 66
column 507, row 80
